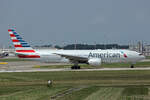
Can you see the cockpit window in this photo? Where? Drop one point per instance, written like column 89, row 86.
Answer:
column 140, row 54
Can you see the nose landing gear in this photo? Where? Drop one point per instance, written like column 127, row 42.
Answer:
column 132, row 65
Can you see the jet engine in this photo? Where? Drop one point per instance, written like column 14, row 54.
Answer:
column 5, row 54
column 95, row 61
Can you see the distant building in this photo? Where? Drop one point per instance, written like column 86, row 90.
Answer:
column 134, row 47
column 146, row 50
column 139, row 47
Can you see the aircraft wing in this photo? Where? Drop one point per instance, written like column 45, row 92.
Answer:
column 73, row 57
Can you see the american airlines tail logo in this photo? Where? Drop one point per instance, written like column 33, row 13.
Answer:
column 23, row 49
column 124, row 54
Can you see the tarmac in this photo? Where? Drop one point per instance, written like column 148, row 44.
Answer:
column 68, row 69
column 29, row 66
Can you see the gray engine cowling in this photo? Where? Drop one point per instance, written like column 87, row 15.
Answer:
column 95, row 61
column 5, row 54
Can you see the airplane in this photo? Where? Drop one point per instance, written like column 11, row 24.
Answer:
column 91, row 57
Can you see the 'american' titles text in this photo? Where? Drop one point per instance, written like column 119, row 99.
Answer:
column 104, row 55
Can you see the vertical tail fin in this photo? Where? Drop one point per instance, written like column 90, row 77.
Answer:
column 23, row 49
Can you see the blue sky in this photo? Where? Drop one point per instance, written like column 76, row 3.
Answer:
column 76, row 21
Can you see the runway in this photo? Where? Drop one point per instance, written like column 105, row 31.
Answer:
column 28, row 66
column 69, row 69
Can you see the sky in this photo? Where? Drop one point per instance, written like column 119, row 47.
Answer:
column 64, row 22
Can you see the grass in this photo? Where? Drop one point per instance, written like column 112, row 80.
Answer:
column 30, row 93
column 147, row 57
column 135, row 93
column 129, row 91
column 95, row 85
column 113, row 65
column 106, row 93
column 80, row 95
column 70, row 77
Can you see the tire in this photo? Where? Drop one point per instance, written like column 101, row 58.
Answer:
column 132, row 66
column 75, row 67
column 78, row 67
column 72, row 67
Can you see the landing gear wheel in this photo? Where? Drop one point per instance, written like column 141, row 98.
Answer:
column 75, row 67
column 72, row 67
column 132, row 66
column 78, row 67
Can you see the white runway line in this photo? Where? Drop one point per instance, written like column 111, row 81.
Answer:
column 68, row 69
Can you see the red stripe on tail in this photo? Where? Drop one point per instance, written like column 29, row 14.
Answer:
column 15, row 40
column 18, row 45
column 9, row 30
column 24, row 51
column 28, row 56
column 12, row 35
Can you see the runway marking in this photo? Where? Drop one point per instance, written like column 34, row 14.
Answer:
column 3, row 63
column 68, row 69
column 37, row 66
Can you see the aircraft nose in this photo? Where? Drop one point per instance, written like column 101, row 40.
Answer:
column 142, row 56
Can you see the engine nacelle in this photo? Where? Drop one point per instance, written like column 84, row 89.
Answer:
column 5, row 54
column 95, row 61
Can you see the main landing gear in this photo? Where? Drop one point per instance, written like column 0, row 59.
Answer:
column 75, row 67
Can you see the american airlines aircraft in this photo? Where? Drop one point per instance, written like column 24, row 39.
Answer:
column 91, row 57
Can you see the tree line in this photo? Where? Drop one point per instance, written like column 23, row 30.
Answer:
column 92, row 47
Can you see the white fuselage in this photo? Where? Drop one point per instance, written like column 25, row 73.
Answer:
column 106, row 56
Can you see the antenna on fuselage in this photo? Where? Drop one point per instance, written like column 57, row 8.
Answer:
column 75, row 45
column 95, row 45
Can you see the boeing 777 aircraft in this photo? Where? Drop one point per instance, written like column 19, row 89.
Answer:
column 91, row 57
